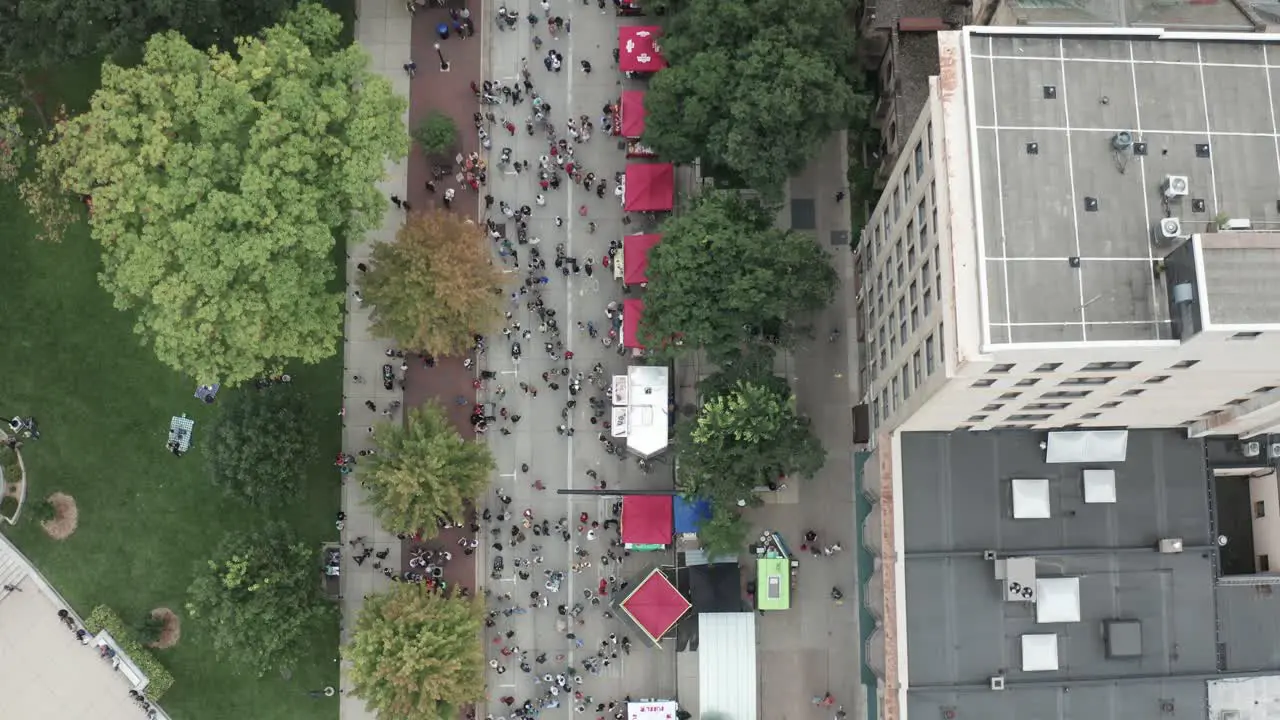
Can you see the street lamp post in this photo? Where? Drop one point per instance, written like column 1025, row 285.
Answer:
column 444, row 64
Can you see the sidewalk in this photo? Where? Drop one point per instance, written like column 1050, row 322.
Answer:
column 393, row 37
column 383, row 29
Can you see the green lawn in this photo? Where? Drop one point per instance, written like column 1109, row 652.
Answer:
column 146, row 518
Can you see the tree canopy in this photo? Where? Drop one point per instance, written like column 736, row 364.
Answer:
column 753, row 87
column 724, row 277
column 741, row 439
column 220, row 185
column 423, row 471
column 416, row 654
column 259, row 598
column 40, row 33
column 436, row 286
column 260, row 445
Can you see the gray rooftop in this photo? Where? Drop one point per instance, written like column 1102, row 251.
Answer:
column 961, row 631
column 1202, row 14
column 1203, row 110
column 1240, row 277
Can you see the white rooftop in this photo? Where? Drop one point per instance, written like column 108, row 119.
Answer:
column 640, row 412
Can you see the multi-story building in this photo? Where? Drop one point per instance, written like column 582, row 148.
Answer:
column 1079, row 233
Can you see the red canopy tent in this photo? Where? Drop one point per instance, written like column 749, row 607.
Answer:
column 638, row 49
column 635, row 257
column 647, row 519
column 651, row 187
column 655, row 605
column 632, row 309
column 633, row 113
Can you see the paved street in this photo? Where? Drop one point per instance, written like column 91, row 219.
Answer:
column 562, row 461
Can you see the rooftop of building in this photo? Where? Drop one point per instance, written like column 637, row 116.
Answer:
column 1077, row 136
column 1202, row 14
column 1180, row 626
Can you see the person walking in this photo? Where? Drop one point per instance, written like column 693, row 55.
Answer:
column 586, row 67
column 411, row 68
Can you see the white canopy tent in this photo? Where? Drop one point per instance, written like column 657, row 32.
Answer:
column 640, row 408
column 652, row 710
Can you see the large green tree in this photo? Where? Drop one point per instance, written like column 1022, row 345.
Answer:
column 40, row 33
column 436, row 286
column 416, row 654
column 724, row 278
column 221, row 183
column 259, row 598
column 741, row 439
column 260, row 445
column 754, row 87
column 423, row 470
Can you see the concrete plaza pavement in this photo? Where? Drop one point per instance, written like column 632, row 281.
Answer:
column 814, row 647
column 383, row 29
column 555, row 460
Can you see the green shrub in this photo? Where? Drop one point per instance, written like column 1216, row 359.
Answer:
column 8, row 505
column 150, row 628
column 436, row 134
column 104, row 618
column 9, row 463
column 42, row 511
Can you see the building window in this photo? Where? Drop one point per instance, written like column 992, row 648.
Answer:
column 1239, row 401
column 942, row 345
column 901, row 274
column 897, row 204
column 897, row 390
column 906, row 181
column 1066, row 394
column 1110, row 404
column 1046, row 406
column 906, row 383
column 1259, row 509
column 1157, row 379
column 1027, row 382
column 919, row 160
column 915, row 318
column 1087, row 380
column 902, row 330
column 1264, row 563
column 884, row 359
column 915, row 368
column 928, row 355
column 920, row 214
column 984, row 382
column 1030, row 416
column 885, row 402
column 1265, row 389
column 928, row 301
column 1048, row 367
column 1110, row 365
column 1133, row 392
column 1090, row 416
column 1184, row 364
column 993, row 407
column 976, row 418
column 924, row 271
column 1245, row 335
column 875, row 411
column 912, row 291
column 1001, row 368
column 1011, row 395
column 928, row 133
column 911, row 256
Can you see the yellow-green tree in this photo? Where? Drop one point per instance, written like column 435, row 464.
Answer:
column 423, row 471
column 436, row 286
column 221, row 184
column 416, row 654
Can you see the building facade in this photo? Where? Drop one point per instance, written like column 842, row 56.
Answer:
column 1048, row 233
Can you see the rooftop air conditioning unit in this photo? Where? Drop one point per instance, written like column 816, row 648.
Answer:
column 997, row 682
column 1237, row 224
column 1170, row 546
column 1273, row 451
column 1175, row 186
column 1251, row 449
column 1168, row 230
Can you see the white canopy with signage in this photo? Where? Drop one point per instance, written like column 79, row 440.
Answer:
column 651, row 710
column 640, row 412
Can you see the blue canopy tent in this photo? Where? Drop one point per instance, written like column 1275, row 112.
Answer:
column 690, row 514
